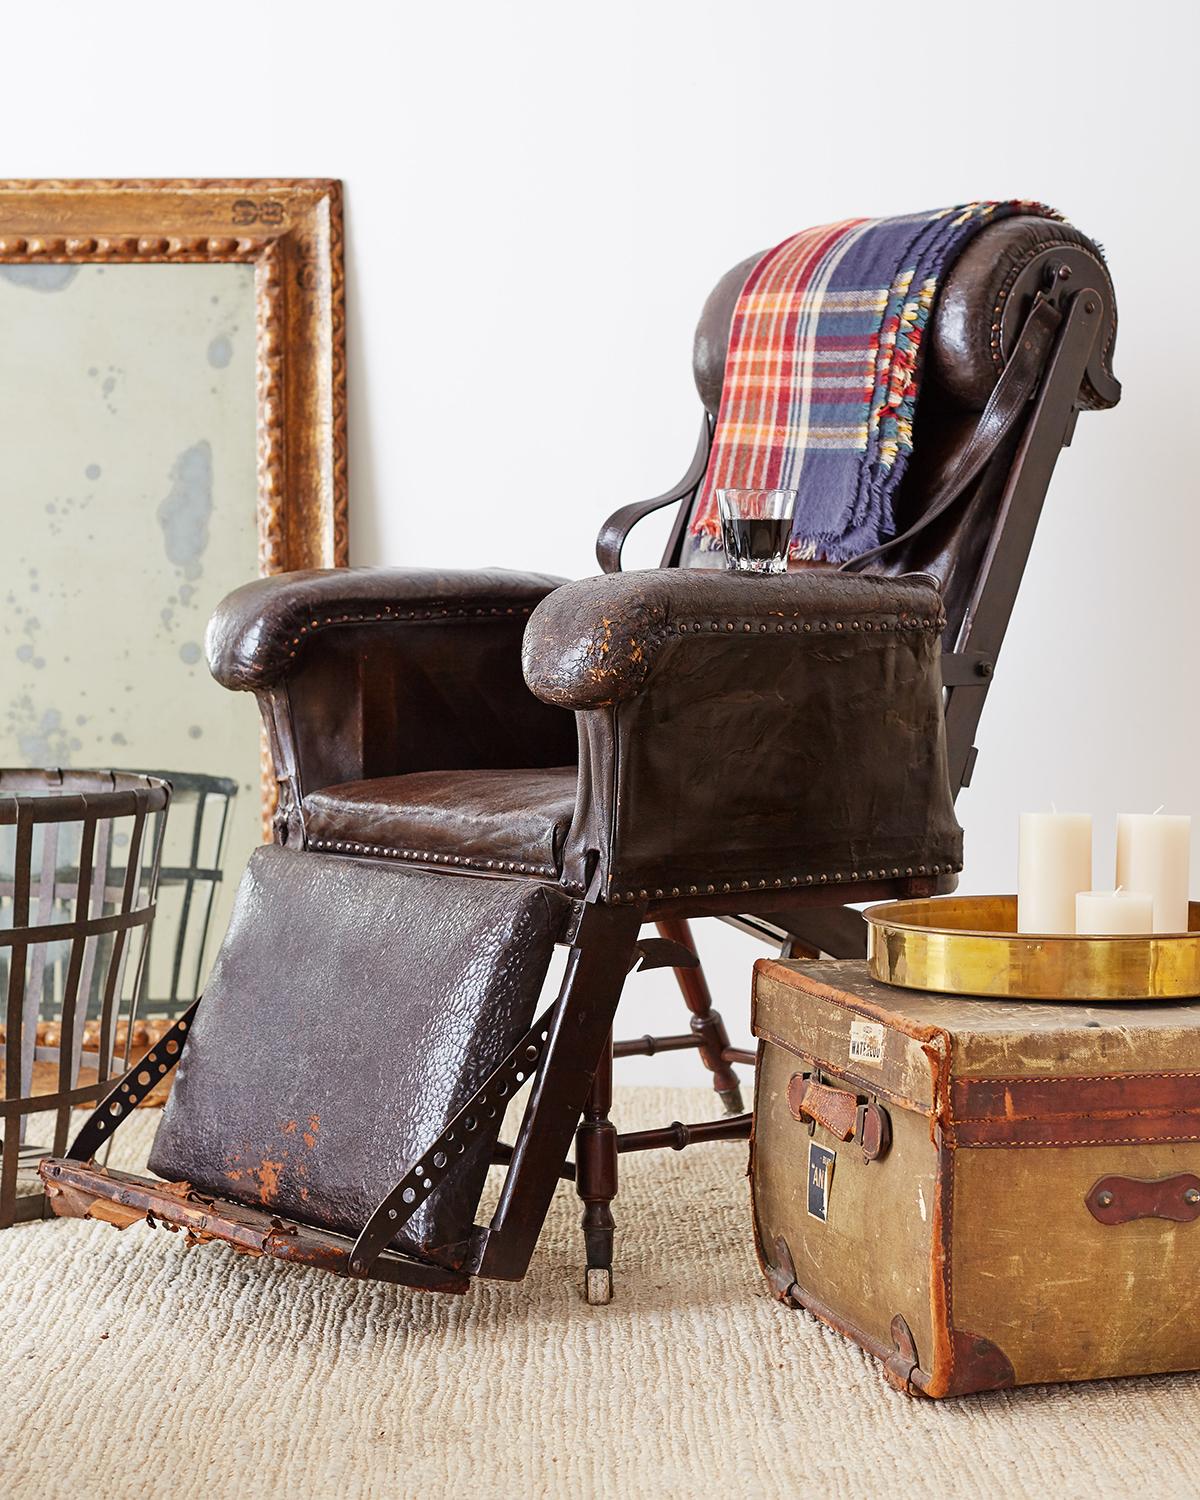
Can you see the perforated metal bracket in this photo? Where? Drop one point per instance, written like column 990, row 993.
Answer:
column 125, row 1097
column 490, row 1099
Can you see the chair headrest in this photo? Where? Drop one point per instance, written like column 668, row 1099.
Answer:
column 983, row 301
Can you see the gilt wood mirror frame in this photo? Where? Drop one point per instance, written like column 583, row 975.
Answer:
column 287, row 236
column 291, row 232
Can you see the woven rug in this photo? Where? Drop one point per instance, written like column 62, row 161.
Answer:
column 131, row 1367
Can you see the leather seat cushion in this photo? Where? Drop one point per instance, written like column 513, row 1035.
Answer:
column 485, row 820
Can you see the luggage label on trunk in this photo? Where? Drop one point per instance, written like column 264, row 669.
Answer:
column 820, row 1179
column 866, row 1042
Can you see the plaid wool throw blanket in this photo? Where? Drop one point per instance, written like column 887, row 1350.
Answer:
column 823, row 373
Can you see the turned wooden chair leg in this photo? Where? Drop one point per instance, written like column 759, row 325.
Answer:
column 596, row 1179
column 706, row 1022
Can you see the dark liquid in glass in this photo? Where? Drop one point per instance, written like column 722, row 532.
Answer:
column 756, row 544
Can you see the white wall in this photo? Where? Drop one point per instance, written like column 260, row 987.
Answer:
column 541, row 194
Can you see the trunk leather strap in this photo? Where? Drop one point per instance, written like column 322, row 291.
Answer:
column 1111, row 1109
column 835, row 1109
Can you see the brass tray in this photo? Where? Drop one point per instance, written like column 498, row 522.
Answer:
column 969, row 945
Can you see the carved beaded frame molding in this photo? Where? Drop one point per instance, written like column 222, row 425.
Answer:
column 291, row 231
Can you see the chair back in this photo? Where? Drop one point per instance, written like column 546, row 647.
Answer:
column 978, row 547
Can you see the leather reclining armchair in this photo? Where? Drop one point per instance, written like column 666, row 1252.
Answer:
column 677, row 733
column 682, row 742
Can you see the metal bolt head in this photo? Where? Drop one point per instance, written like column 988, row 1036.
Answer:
column 1192, row 1195
column 1104, row 1199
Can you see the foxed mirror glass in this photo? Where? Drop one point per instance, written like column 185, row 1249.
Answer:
column 172, row 422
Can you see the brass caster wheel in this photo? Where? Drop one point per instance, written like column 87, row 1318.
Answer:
column 732, row 1100
column 598, row 1285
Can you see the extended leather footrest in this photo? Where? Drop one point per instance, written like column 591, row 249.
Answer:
column 345, row 1074
column 83, row 1190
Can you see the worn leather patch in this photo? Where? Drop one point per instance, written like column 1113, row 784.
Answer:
column 1118, row 1200
column 978, row 1365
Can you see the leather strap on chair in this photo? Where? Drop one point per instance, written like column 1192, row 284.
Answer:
column 835, row 1109
column 1008, row 400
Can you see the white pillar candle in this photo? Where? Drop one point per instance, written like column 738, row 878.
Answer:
column 1054, row 864
column 1153, row 851
column 1109, row 913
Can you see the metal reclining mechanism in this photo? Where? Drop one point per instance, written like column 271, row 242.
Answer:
column 604, row 775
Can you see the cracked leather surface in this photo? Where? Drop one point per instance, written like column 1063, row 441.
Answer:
column 259, row 630
column 399, row 683
column 350, row 1012
column 514, row 820
column 985, row 300
column 750, row 733
column 734, row 732
column 600, row 640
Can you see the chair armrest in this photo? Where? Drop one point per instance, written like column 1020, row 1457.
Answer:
column 258, row 631
column 599, row 641
column 368, row 672
column 750, row 734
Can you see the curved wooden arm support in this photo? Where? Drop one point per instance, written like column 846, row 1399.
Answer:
column 616, row 529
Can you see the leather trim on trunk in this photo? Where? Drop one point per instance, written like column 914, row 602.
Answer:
column 1104, row 1110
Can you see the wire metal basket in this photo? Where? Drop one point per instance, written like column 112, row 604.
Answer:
column 189, row 885
column 79, row 867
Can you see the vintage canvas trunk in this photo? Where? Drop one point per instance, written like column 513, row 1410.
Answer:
column 982, row 1193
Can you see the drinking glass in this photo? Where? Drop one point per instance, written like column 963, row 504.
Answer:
column 756, row 526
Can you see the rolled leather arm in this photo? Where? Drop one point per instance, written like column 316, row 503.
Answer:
column 741, row 733
column 258, row 631
column 599, row 641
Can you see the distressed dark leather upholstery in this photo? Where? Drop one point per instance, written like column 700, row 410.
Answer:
column 314, row 1096
column 674, row 743
column 260, row 629
column 735, row 733
column 602, row 640
column 987, row 296
column 515, row 821
column 749, row 733
column 704, row 776
column 370, row 673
